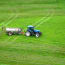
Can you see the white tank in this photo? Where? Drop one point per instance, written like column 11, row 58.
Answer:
column 13, row 29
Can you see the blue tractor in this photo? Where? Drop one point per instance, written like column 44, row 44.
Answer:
column 32, row 32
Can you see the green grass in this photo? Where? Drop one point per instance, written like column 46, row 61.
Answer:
column 49, row 49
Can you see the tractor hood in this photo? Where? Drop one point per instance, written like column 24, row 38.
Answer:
column 37, row 30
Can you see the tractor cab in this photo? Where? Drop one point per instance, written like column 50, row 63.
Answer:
column 31, row 31
column 30, row 28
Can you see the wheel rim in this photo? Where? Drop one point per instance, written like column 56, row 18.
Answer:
column 27, row 34
column 10, row 34
column 37, row 35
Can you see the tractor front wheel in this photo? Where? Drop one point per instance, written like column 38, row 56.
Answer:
column 37, row 35
column 28, row 34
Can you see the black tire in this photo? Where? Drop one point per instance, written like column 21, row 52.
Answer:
column 37, row 35
column 10, row 33
column 28, row 34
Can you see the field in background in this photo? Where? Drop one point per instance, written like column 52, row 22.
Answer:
column 49, row 18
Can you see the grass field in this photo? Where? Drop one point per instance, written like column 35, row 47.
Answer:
column 48, row 16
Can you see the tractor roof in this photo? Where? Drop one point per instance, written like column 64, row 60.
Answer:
column 30, row 26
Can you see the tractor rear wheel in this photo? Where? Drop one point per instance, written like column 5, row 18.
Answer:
column 28, row 34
